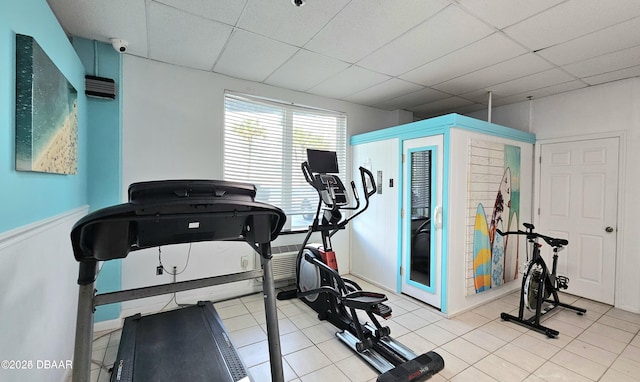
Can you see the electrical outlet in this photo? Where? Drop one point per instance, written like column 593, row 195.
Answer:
column 159, row 270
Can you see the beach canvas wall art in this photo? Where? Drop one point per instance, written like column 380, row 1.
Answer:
column 493, row 204
column 46, row 113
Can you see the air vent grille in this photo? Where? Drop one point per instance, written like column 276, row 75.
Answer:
column 100, row 87
column 284, row 262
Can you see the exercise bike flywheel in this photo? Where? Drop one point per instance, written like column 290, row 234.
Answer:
column 532, row 284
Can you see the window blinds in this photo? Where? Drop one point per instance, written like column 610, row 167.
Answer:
column 421, row 183
column 265, row 142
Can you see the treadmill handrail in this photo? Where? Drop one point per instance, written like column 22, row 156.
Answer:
column 183, row 211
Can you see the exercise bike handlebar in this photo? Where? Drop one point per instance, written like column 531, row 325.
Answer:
column 552, row 241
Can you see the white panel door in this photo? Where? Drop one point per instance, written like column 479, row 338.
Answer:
column 421, row 271
column 578, row 202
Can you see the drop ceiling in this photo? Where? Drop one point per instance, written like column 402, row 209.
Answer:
column 426, row 56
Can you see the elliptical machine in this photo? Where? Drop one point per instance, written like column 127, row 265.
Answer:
column 338, row 300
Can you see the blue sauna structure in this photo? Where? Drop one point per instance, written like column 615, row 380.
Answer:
column 445, row 186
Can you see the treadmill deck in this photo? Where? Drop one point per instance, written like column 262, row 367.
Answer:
column 188, row 344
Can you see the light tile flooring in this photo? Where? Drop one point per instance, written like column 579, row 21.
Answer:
column 603, row 345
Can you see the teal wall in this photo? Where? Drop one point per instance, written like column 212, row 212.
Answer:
column 104, row 125
column 104, row 122
column 28, row 197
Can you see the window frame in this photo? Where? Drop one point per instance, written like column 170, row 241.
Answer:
column 293, row 190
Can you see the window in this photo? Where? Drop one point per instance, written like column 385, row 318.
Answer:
column 265, row 142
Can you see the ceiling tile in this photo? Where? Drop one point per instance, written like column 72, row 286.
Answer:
column 224, row 11
column 606, row 63
column 539, row 93
column 382, row 53
column 305, row 70
column 571, row 19
column 382, row 92
column 195, row 41
column 413, row 99
column 444, row 33
column 529, row 83
column 252, row 57
column 617, row 37
column 365, row 25
column 505, row 71
column 633, row 71
column 349, row 81
column 488, row 51
column 502, row 13
column 445, row 106
column 102, row 20
column 469, row 109
column 283, row 21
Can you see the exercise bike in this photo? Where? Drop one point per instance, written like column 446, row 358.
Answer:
column 538, row 284
column 337, row 299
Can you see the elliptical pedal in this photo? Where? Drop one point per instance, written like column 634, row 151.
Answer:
column 422, row 367
column 382, row 310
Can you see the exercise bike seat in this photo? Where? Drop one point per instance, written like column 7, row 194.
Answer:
column 367, row 301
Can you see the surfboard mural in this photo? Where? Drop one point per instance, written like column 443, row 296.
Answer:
column 499, row 219
column 502, row 205
column 481, row 252
column 511, row 251
column 494, row 191
column 497, row 258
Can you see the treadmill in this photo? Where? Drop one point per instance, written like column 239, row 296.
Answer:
column 187, row 344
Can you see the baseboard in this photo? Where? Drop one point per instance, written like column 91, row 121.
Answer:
column 370, row 281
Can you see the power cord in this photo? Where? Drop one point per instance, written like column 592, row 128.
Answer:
column 174, row 274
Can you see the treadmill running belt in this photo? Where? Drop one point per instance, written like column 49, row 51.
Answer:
column 188, row 344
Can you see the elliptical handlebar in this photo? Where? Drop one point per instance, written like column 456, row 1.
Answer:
column 363, row 172
column 308, row 176
column 316, row 181
column 552, row 241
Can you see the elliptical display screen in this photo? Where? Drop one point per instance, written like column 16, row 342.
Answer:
column 323, row 162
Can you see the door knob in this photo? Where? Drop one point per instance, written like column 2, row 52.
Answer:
column 609, row 229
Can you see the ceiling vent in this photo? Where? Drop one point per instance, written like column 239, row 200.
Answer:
column 100, row 87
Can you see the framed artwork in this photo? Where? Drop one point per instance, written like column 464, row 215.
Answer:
column 46, row 113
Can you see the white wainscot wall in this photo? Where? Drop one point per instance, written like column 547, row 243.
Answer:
column 38, row 297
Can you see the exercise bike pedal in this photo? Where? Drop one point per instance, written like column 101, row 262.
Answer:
column 563, row 282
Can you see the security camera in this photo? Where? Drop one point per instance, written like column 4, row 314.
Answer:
column 119, row 45
column 298, row 3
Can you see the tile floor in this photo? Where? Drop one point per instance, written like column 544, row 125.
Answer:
column 603, row 345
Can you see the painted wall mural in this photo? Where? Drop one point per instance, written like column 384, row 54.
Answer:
column 493, row 204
